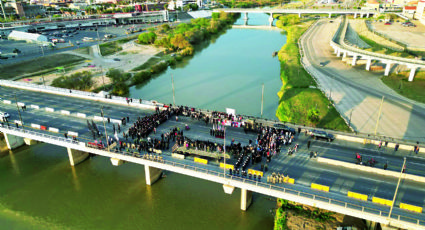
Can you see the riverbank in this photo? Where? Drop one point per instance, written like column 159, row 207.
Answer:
column 291, row 215
column 301, row 102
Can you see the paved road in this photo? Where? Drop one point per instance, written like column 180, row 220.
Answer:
column 299, row 166
column 359, row 92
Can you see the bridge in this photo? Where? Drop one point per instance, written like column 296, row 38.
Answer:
column 340, row 47
column 51, row 112
column 272, row 11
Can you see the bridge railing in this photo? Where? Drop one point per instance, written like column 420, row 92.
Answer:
column 282, row 188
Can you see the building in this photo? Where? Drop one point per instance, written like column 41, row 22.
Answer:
column 26, row 10
column 173, row 5
column 373, row 5
column 420, row 12
column 28, row 37
column 409, row 11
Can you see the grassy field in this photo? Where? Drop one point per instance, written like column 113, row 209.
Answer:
column 112, row 47
column 38, row 64
column 413, row 90
column 377, row 48
column 152, row 61
column 299, row 95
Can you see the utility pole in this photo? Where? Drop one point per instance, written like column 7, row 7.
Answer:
column 379, row 114
column 174, row 96
column 2, row 9
column 19, row 112
column 224, row 153
column 262, row 100
column 104, row 126
column 396, row 189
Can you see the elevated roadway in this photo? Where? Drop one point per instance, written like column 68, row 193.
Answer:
column 357, row 94
column 301, row 167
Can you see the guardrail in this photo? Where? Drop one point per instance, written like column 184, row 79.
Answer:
column 220, row 177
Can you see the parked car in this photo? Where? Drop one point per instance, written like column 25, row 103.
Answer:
column 388, row 23
column 317, row 134
column 284, row 128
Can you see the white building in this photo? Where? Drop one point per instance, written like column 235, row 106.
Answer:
column 173, row 5
column 29, row 37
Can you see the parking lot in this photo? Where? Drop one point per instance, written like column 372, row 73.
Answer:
column 412, row 36
column 73, row 39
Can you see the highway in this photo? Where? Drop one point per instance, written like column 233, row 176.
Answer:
column 300, row 166
column 357, row 93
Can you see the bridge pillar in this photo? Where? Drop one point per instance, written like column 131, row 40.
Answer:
column 355, row 15
column 299, row 15
column 330, row 15
column 152, row 174
column 116, row 162
column 13, row 141
column 344, row 55
column 246, row 199
column 387, row 69
column 245, row 19
column 368, row 63
column 354, row 60
column 30, row 141
column 271, row 19
column 76, row 156
column 338, row 54
column 367, row 15
column 228, row 189
column 371, row 225
column 412, row 73
column 361, row 15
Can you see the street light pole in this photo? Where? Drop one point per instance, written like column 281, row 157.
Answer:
column 224, row 153
column 396, row 189
column 104, row 126
column 19, row 112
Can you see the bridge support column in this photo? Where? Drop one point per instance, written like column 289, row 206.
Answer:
column 30, row 141
column 371, row 225
column 354, row 60
column 367, row 15
column 271, row 19
column 13, row 141
column 152, row 174
column 338, row 54
column 228, row 189
column 412, row 73
column 246, row 199
column 116, row 162
column 344, row 55
column 330, row 15
column 245, row 19
column 387, row 69
column 299, row 15
column 76, row 156
column 368, row 63
column 355, row 15
column 361, row 15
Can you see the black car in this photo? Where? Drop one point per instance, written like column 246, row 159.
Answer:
column 284, row 128
column 317, row 134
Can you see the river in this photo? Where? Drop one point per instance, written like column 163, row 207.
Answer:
column 39, row 190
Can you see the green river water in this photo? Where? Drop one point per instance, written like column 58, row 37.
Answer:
column 39, row 189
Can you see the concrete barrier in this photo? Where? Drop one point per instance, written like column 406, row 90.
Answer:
column 55, row 130
column 357, row 195
column 82, row 115
column 200, row 160
column 7, row 102
column 49, row 109
column 320, row 187
column 98, row 118
column 382, row 201
column 176, row 155
column 116, row 121
column 349, row 138
column 410, row 207
column 370, row 169
column 72, row 134
column 21, row 104
column 35, row 106
column 36, row 126
column 65, row 112
column 228, row 166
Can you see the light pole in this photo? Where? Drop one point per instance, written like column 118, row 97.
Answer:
column 19, row 112
column 396, row 189
column 224, row 153
column 104, row 126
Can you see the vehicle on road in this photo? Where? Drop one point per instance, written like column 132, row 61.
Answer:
column 117, row 59
column 285, row 128
column 322, row 64
column 4, row 115
column 388, row 23
column 317, row 134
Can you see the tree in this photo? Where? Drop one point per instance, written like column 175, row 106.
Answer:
column 117, row 75
column 147, row 38
column 120, row 89
column 179, row 41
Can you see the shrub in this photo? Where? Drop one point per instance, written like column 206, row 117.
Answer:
column 159, row 67
column 78, row 81
column 141, row 77
column 117, row 75
column 120, row 89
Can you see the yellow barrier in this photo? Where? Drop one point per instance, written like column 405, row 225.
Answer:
column 291, row 181
column 382, row 201
column 411, row 207
column 357, row 195
column 255, row 172
column 200, row 160
column 228, row 166
column 320, row 187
